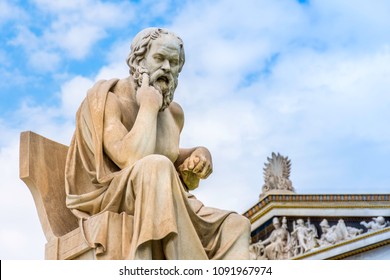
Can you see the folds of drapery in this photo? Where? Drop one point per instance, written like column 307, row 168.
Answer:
column 151, row 215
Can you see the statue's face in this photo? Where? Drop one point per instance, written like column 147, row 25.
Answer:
column 162, row 63
column 162, row 59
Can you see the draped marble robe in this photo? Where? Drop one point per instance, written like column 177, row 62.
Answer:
column 152, row 216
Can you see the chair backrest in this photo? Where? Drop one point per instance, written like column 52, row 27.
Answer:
column 42, row 169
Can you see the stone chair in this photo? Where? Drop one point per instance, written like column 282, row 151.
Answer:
column 42, row 168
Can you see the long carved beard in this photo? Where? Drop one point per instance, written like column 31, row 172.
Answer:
column 165, row 83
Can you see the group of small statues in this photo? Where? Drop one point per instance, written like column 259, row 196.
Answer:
column 282, row 244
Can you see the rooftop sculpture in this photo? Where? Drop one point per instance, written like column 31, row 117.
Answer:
column 277, row 175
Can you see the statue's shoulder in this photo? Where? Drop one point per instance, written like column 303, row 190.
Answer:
column 122, row 91
column 123, row 86
column 103, row 86
column 176, row 109
column 177, row 113
column 121, row 99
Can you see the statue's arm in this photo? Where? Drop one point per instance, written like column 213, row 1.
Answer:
column 126, row 147
column 192, row 164
column 198, row 160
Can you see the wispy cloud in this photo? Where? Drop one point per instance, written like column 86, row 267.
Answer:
column 68, row 29
column 10, row 12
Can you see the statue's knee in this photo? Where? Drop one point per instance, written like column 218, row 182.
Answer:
column 239, row 222
column 155, row 172
column 158, row 162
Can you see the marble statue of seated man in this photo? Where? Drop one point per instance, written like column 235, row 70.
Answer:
column 125, row 158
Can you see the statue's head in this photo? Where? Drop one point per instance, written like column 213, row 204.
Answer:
column 160, row 54
column 380, row 220
column 276, row 222
column 324, row 224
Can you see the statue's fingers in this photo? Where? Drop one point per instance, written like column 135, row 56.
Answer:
column 206, row 171
column 181, row 167
column 145, row 80
column 193, row 161
column 209, row 171
column 199, row 167
column 185, row 165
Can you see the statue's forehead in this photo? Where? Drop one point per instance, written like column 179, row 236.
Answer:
column 165, row 43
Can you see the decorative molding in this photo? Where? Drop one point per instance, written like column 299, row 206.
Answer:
column 272, row 207
column 361, row 250
column 300, row 201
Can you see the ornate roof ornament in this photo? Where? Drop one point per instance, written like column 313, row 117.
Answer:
column 276, row 175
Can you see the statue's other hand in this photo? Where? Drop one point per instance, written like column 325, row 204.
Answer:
column 189, row 178
column 199, row 162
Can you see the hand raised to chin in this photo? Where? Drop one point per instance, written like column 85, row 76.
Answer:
column 148, row 95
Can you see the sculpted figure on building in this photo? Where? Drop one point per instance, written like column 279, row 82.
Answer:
column 125, row 158
column 277, row 175
column 303, row 238
column 275, row 247
column 377, row 223
column 336, row 233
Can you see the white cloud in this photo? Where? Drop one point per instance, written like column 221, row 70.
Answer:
column 26, row 38
column 76, row 40
column 60, row 5
column 78, row 25
column 10, row 12
column 113, row 70
column 73, row 30
column 334, row 90
column 44, row 60
column 72, row 94
column 227, row 50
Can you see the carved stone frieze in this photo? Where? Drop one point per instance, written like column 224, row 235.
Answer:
column 305, row 236
column 377, row 223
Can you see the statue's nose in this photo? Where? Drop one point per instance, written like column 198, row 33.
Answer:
column 166, row 66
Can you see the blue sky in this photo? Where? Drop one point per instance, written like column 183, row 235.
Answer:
column 308, row 79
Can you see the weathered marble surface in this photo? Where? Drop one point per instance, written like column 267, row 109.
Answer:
column 125, row 158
